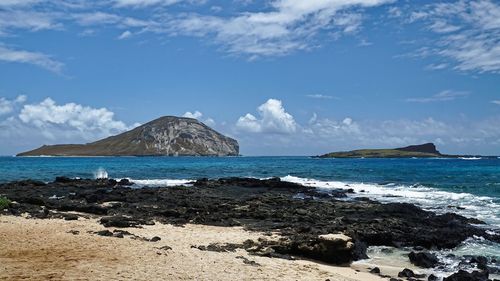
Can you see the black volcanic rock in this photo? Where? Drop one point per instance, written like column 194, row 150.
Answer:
column 423, row 259
column 165, row 136
column 269, row 205
column 462, row 275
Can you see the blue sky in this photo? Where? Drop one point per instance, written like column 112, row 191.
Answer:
column 284, row 77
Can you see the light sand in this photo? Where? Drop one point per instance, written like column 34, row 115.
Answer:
column 32, row 249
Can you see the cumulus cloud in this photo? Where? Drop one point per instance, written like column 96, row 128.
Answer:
column 7, row 106
column 194, row 115
column 273, row 119
column 34, row 58
column 198, row 115
column 29, row 125
column 72, row 116
column 320, row 135
column 447, row 95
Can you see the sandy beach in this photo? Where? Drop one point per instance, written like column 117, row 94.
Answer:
column 55, row 249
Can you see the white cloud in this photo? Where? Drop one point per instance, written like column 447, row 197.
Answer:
column 194, row 115
column 13, row 3
column 447, row 95
column 198, row 115
column 38, row 59
column 321, row 135
column 289, row 26
column 126, row 34
column 143, row 3
column 273, row 119
column 7, row 106
column 437, row 66
column 320, row 96
column 468, row 33
column 71, row 116
column 496, row 102
column 27, row 19
column 209, row 122
column 96, row 18
column 31, row 125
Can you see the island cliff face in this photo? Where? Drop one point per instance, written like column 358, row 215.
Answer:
column 165, row 136
column 423, row 150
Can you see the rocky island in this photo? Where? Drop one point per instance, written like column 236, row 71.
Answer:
column 165, row 136
column 427, row 150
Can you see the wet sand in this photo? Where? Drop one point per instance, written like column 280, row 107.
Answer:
column 35, row 249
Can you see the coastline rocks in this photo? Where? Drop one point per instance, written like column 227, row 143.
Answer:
column 408, row 273
column 463, row 275
column 423, row 259
column 331, row 248
column 309, row 224
column 432, row 277
column 121, row 222
column 249, row 182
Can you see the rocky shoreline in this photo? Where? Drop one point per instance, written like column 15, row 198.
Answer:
column 326, row 227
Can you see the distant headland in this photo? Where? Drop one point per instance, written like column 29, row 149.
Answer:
column 427, row 150
column 165, row 136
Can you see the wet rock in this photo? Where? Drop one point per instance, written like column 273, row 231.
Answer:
column 423, row 259
column 250, row 182
column 432, row 277
column 463, row 275
column 375, row 270
column 482, row 262
column 125, row 182
column 63, row 180
column 408, row 273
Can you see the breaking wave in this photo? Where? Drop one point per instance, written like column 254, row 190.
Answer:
column 432, row 199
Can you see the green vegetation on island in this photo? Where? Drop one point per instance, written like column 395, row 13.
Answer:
column 421, row 151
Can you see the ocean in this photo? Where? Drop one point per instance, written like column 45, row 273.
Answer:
column 470, row 187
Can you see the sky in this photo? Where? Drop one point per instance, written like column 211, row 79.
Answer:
column 283, row 77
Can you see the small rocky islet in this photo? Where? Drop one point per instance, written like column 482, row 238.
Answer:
column 328, row 227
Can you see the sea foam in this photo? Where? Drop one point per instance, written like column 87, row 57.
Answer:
column 101, row 174
column 432, row 199
column 160, row 182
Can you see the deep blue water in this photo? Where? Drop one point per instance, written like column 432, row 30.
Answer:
column 432, row 183
column 480, row 177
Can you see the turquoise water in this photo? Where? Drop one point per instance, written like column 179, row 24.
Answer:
column 479, row 177
column 434, row 184
column 468, row 187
